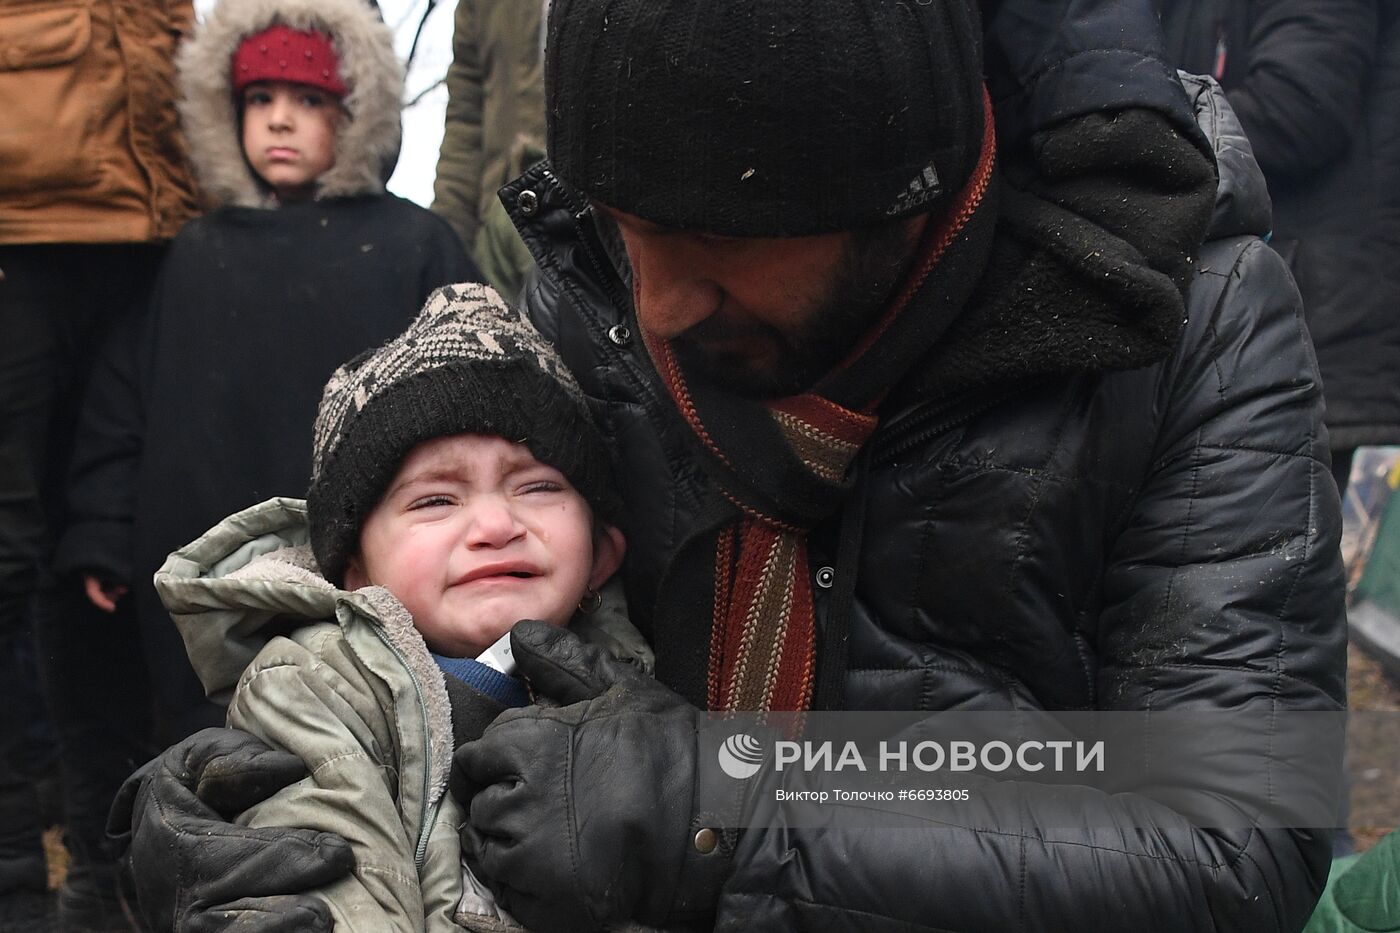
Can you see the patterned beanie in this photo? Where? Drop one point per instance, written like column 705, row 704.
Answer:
column 764, row 117
column 467, row 364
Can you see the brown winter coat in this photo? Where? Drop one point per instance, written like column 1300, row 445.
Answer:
column 90, row 149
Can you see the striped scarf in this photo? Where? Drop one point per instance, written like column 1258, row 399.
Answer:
column 783, row 464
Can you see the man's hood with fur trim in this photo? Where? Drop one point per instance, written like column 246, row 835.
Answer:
column 368, row 142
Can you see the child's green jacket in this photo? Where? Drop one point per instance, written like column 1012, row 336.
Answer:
column 344, row 681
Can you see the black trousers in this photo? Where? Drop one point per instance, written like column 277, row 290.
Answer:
column 56, row 301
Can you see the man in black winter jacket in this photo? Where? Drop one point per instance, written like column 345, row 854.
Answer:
column 906, row 418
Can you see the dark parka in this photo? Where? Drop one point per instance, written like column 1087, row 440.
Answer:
column 1315, row 86
column 1161, row 538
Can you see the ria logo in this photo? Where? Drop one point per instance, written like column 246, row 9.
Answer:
column 740, row 756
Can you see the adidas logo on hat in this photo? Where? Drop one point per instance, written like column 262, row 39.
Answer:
column 924, row 188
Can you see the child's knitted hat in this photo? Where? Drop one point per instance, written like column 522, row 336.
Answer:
column 467, row 364
column 281, row 53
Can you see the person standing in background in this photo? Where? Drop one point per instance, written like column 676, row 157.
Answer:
column 494, row 130
column 199, row 403
column 1317, row 88
column 93, row 182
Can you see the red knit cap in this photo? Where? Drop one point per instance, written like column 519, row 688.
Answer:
column 280, row 53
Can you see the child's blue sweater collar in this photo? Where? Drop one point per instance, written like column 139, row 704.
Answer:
column 504, row 689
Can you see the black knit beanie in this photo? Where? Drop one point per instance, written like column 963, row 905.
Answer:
column 765, row 117
column 467, row 364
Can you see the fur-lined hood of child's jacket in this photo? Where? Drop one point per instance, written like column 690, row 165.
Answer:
column 367, row 145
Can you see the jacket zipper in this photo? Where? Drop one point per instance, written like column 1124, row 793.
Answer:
column 420, row 855
column 429, row 812
column 593, row 248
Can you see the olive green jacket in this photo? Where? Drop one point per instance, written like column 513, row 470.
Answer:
column 494, row 130
column 344, row 681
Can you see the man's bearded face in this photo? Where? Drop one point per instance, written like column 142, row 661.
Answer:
column 763, row 317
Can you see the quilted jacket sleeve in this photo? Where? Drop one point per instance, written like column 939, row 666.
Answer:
column 1223, row 592
column 291, row 699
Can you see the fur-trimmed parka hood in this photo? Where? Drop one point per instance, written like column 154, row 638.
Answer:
column 368, row 141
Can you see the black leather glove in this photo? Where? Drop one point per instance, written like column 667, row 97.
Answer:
column 192, row 871
column 592, row 811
